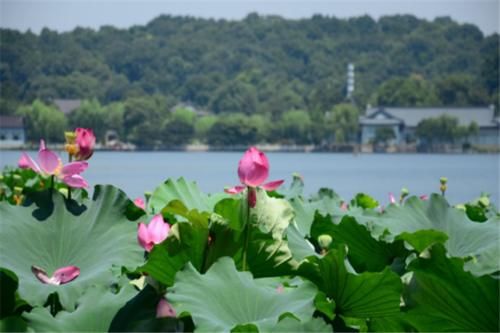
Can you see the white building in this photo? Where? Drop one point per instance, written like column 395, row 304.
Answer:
column 12, row 133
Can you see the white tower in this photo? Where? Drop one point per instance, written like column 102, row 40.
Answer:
column 350, row 80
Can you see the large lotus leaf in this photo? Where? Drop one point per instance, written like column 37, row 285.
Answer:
column 97, row 240
column 94, row 313
column 224, row 298
column 306, row 210
column 442, row 297
column 186, row 242
column 465, row 238
column 366, row 295
column 186, row 192
column 365, row 252
column 271, row 215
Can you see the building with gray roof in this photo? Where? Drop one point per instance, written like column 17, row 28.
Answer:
column 404, row 120
column 12, row 133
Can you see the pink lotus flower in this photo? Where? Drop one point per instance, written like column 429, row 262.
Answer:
column 392, row 199
column 139, row 202
column 153, row 233
column 61, row 275
column 253, row 170
column 49, row 164
column 85, row 139
column 164, row 309
column 23, row 162
column 424, row 197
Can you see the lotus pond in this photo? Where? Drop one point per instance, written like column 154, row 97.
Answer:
column 258, row 257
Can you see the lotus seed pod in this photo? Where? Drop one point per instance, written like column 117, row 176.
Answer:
column 18, row 190
column 443, row 188
column 324, row 241
column 443, row 180
column 461, row 207
column 71, row 148
column 70, row 137
column 148, row 195
column 64, row 191
column 484, row 201
column 404, row 192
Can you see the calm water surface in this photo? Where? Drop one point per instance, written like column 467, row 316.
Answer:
column 347, row 174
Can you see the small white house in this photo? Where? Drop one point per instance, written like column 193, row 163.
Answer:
column 12, row 133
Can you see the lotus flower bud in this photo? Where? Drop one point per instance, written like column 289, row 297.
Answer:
column 324, row 241
column 85, row 139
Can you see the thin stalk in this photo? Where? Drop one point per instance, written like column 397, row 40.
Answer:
column 51, row 185
column 70, row 159
column 246, row 231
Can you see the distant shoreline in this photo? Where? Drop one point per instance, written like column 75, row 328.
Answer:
column 278, row 148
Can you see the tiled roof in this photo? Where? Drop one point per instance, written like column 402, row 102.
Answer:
column 67, row 105
column 11, row 122
column 483, row 116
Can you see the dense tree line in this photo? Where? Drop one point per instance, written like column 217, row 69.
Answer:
column 260, row 70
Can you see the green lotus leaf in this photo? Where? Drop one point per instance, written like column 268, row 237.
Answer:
column 365, row 253
column 186, row 192
column 271, row 215
column 481, row 241
column 366, row 295
column 224, row 298
column 186, row 242
column 288, row 324
column 442, row 297
column 96, row 241
column 94, row 313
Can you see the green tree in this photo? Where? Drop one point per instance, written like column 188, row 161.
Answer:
column 177, row 131
column 411, row 91
column 460, row 90
column 232, row 130
column 343, row 121
column 43, row 121
column 90, row 114
column 203, row 125
column 442, row 129
column 296, row 127
column 383, row 135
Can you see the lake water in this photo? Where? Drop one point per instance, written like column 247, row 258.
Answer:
column 347, row 174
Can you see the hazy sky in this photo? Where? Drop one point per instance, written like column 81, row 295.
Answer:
column 64, row 15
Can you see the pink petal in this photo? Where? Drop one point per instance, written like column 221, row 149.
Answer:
column 40, row 274
column 344, row 206
column 253, row 168
column 74, row 168
column 424, row 197
column 23, row 162
column 164, row 309
column 392, row 200
column 139, row 202
column 42, row 145
column 271, row 186
column 235, row 190
column 75, row 181
column 158, row 230
column 49, row 161
column 30, row 162
column 143, row 237
column 66, row 274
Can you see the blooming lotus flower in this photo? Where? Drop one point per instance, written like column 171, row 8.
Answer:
column 253, row 170
column 153, row 233
column 139, row 202
column 164, row 309
column 85, row 139
column 61, row 275
column 49, row 164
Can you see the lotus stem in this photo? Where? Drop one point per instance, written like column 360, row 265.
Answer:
column 246, row 231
